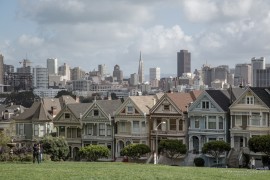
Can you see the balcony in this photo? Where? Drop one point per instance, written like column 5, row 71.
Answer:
column 168, row 133
column 206, row 131
column 105, row 138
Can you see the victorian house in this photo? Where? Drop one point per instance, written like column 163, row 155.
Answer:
column 68, row 124
column 168, row 118
column 131, row 120
column 209, row 119
column 98, row 126
column 249, row 117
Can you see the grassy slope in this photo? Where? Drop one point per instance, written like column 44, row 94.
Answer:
column 87, row 170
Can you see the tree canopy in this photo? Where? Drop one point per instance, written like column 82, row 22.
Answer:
column 216, row 148
column 260, row 144
column 172, row 148
column 135, row 151
column 64, row 92
column 25, row 98
column 56, row 147
column 94, row 152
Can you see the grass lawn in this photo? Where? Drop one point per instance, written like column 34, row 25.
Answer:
column 130, row 171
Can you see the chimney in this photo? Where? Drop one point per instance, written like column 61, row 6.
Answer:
column 53, row 111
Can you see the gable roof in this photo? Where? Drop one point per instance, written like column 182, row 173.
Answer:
column 263, row 94
column 219, row 96
column 78, row 109
column 66, row 99
column 144, row 103
column 109, row 106
column 181, row 100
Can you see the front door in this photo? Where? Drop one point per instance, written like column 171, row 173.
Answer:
column 195, row 140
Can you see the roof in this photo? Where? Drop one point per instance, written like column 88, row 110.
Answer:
column 78, row 108
column 220, row 97
column 66, row 99
column 181, row 99
column 263, row 94
column 144, row 103
column 109, row 106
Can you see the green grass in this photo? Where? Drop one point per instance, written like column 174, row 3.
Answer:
column 130, row 171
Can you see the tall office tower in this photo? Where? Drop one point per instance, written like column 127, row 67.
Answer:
column 141, row 70
column 26, row 68
column 256, row 64
column 8, row 69
column 102, row 69
column 118, row 73
column 183, row 62
column 64, row 71
column 1, row 69
column 52, row 66
column 242, row 74
column 77, row 74
column 154, row 74
column 261, row 78
column 134, row 79
column 40, row 77
column 207, row 75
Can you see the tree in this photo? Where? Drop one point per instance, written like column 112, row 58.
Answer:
column 260, row 144
column 56, row 147
column 25, row 99
column 216, row 148
column 64, row 92
column 94, row 152
column 114, row 96
column 172, row 148
column 135, row 151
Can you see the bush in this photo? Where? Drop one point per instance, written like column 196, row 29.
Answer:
column 4, row 157
column 94, row 152
column 135, row 151
column 199, row 162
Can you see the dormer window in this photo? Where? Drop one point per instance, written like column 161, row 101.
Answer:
column 96, row 112
column 67, row 116
column 249, row 99
column 130, row 110
column 205, row 104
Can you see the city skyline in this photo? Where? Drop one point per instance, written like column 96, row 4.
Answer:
column 76, row 33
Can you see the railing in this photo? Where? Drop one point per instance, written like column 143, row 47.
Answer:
column 84, row 137
column 207, row 130
column 170, row 132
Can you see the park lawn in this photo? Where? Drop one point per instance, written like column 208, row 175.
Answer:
column 115, row 170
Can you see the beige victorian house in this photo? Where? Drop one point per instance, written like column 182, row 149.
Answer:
column 131, row 120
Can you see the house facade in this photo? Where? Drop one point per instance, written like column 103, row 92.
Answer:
column 131, row 120
column 98, row 124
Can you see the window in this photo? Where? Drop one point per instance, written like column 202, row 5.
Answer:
column 62, row 131
column 89, row 129
column 212, row 122
column 249, row 100
column 181, row 125
column 172, row 124
column 96, row 112
column 109, row 130
column 41, row 130
column 238, row 120
column 130, row 110
column 79, row 133
column 264, row 119
column 220, row 123
column 136, row 126
column 102, row 129
column 36, row 129
column 205, row 104
column 255, row 119
column 72, row 132
column 122, row 127
column 197, row 123
column 67, row 115
column 166, row 107
column 143, row 124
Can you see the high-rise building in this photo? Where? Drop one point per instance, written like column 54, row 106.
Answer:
column 64, row 71
column 77, row 74
column 102, row 69
column 183, row 62
column 26, row 68
column 242, row 74
column 141, row 69
column 52, row 66
column 117, row 73
column 134, row 79
column 1, row 69
column 40, row 77
column 154, row 74
column 256, row 64
column 8, row 69
column 261, row 78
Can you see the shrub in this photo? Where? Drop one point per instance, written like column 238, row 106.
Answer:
column 135, row 151
column 4, row 157
column 199, row 162
column 94, row 152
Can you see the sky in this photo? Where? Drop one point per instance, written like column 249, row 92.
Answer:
column 86, row 33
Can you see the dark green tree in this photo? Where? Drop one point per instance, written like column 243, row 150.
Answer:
column 216, row 148
column 56, row 147
column 114, row 96
column 172, row 148
column 260, row 144
column 25, row 99
column 64, row 92
column 135, row 151
column 94, row 152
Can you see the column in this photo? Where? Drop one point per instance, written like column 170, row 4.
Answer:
column 232, row 141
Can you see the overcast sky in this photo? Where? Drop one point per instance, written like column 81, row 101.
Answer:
column 86, row 33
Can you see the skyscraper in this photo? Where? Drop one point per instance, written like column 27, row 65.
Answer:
column 154, row 74
column 256, row 64
column 102, row 69
column 52, row 66
column 118, row 73
column 40, row 77
column 1, row 69
column 183, row 62
column 141, row 70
